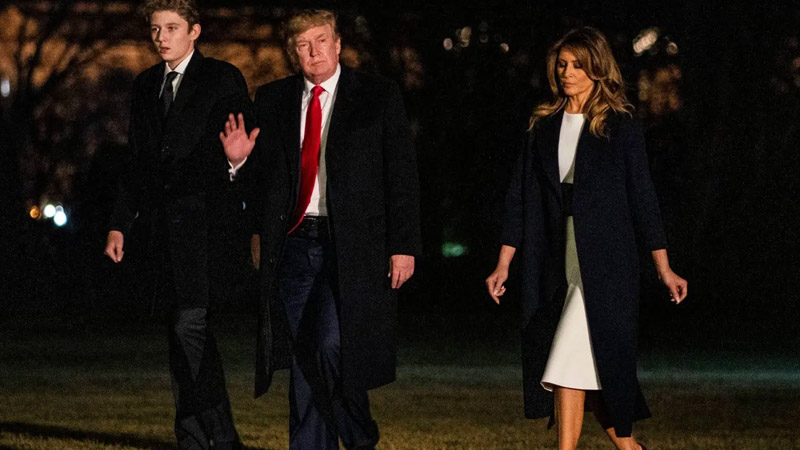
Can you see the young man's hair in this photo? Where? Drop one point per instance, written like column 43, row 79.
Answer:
column 302, row 21
column 185, row 8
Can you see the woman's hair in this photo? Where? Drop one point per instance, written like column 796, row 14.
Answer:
column 301, row 22
column 591, row 49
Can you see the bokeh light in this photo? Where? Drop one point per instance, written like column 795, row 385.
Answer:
column 645, row 40
column 60, row 217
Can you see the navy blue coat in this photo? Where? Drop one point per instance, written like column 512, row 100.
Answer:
column 614, row 206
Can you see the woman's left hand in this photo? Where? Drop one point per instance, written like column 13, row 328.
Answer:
column 678, row 287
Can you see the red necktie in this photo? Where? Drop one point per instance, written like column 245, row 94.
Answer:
column 309, row 159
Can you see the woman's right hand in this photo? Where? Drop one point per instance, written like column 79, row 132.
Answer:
column 494, row 284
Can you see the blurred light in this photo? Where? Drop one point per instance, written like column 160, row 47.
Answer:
column 504, row 47
column 645, row 40
column 672, row 48
column 464, row 36
column 484, row 38
column 35, row 212
column 448, row 44
column 453, row 250
column 49, row 211
column 60, row 219
column 5, row 87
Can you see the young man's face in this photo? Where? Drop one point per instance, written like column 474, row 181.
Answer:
column 172, row 36
column 318, row 53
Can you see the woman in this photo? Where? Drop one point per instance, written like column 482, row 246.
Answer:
column 580, row 199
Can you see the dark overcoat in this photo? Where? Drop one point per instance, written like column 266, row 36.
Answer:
column 175, row 180
column 614, row 206
column 373, row 213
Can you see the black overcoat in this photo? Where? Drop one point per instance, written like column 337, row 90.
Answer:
column 175, row 180
column 373, row 213
column 614, row 206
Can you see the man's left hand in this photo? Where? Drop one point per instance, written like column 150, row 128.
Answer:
column 401, row 267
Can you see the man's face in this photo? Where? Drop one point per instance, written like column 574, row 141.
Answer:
column 173, row 38
column 318, row 53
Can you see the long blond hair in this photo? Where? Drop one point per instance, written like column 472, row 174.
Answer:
column 608, row 94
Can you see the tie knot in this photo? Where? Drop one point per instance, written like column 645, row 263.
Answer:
column 317, row 90
column 171, row 76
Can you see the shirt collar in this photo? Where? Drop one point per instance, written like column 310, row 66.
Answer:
column 181, row 69
column 329, row 85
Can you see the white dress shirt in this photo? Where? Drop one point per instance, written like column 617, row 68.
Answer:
column 180, row 70
column 317, row 206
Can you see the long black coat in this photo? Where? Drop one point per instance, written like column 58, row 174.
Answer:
column 176, row 179
column 373, row 213
column 614, row 205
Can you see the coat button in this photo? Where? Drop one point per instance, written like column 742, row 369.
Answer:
column 165, row 148
column 283, row 217
column 167, row 187
column 272, row 260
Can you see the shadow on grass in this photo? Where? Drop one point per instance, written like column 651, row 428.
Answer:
column 49, row 431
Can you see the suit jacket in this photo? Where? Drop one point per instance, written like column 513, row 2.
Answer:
column 176, row 180
column 614, row 205
column 373, row 213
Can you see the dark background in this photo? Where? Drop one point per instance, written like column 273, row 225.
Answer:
column 721, row 119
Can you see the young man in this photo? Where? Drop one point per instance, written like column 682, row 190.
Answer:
column 177, row 184
column 337, row 205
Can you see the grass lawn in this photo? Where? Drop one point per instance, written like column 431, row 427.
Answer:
column 110, row 390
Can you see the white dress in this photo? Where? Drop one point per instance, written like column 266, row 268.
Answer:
column 571, row 362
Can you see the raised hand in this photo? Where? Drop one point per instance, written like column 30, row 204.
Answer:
column 237, row 144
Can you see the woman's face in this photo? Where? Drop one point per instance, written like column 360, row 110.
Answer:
column 571, row 75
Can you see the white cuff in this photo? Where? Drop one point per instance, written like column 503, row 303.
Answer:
column 233, row 170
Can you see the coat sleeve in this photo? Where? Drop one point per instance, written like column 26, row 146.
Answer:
column 641, row 192
column 233, row 99
column 401, row 179
column 513, row 217
column 129, row 185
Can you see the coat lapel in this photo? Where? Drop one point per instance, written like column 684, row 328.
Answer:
column 187, row 87
column 290, row 124
column 342, row 110
column 153, row 91
column 550, row 131
column 587, row 146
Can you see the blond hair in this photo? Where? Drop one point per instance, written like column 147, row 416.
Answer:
column 300, row 22
column 592, row 50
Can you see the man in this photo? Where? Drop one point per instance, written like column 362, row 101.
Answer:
column 177, row 185
column 336, row 201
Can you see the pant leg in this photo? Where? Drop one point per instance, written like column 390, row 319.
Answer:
column 308, row 430
column 203, row 417
column 350, row 410
column 320, row 412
